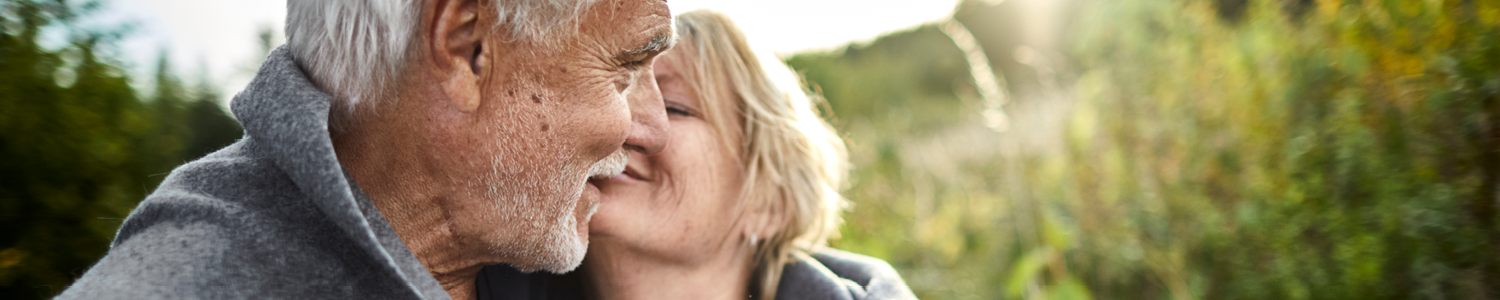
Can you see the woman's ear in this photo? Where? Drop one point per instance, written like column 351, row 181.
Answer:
column 457, row 46
column 766, row 221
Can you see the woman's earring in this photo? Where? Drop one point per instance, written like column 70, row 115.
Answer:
column 753, row 240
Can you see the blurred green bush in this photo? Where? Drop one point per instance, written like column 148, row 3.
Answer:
column 1229, row 149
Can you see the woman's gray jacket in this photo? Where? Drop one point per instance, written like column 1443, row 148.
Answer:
column 828, row 274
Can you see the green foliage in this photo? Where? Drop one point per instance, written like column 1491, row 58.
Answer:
column 1342, row 152
column 925, row 168
column 1225, row 149
column 80, row 147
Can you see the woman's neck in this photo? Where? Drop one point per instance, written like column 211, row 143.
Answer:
column 627, row 275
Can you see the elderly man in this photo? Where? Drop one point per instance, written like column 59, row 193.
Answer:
column 394, row 148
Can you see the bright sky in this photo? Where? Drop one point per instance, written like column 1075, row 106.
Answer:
column 221, row 35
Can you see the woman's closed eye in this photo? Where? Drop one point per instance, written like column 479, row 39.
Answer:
column 679, row 109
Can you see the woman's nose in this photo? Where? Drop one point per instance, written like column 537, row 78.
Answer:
column 648, row 118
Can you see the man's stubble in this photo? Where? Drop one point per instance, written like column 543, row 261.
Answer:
column 547, row 237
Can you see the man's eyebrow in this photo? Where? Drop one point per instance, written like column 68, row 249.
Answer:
column 661, row 42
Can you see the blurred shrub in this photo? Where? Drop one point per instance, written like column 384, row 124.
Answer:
column 1228, row 149
column 924, row 186
column 1306, row 150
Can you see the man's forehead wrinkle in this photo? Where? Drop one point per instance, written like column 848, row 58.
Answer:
column 661, row 29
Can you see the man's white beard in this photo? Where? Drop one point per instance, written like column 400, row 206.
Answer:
column 561, row 249
column 610, row 166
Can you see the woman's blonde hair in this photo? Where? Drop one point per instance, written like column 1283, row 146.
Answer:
column 794, row 162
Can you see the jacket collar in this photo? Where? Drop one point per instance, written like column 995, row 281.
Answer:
column 286, row 117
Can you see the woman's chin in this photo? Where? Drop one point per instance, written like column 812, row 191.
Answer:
column 625, row 216
column 616, row 209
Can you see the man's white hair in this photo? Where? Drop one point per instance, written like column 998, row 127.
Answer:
column 356, row 49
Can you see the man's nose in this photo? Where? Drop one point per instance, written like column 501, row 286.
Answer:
column 648, row 118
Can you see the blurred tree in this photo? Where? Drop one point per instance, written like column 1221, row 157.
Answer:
column 211, row 128
column 80, row 148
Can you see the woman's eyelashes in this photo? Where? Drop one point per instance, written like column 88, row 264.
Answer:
column 678, row 109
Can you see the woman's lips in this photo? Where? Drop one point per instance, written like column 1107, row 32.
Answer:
column 631, row 176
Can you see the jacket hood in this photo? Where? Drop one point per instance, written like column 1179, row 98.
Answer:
column 284, row 112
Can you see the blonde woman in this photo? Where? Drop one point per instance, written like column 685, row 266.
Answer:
column 739, row 204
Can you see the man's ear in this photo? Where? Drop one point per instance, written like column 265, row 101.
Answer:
column 457, row 46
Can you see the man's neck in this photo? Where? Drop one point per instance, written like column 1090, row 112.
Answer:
column 410, row 201
column 620, row 275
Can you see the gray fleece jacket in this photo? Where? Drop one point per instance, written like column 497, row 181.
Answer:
column 834, row 274
column 272, row 216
